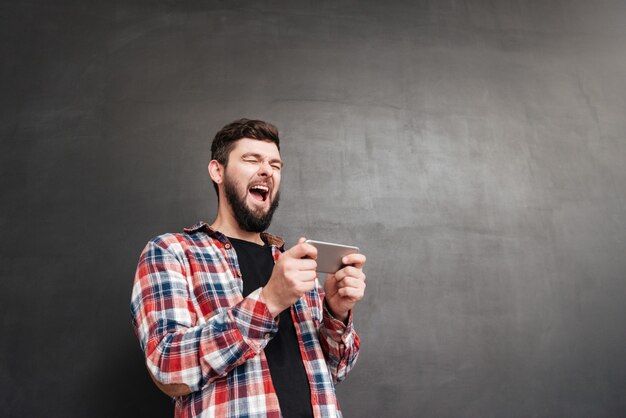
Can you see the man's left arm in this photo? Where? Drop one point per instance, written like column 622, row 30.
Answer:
column 338, row 339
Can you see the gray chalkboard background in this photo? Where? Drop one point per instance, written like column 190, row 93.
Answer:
column 475, row 151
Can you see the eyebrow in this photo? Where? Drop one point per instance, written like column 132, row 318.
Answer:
column 260, row 157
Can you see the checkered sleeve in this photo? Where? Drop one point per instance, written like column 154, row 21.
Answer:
column 340, row 344
column 179, row 349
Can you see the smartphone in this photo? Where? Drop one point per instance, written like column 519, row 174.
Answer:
column 329, row 255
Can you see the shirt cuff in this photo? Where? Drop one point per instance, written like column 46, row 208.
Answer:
column 337, row 329
column 254, row 321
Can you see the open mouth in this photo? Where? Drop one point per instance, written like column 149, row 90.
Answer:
column 259, row 192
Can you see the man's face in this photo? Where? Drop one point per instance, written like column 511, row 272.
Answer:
column 251, row 182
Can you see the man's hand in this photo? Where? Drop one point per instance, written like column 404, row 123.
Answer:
column 292, row 277
column 346, row 287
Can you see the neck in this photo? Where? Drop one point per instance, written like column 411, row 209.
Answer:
column 225, row 223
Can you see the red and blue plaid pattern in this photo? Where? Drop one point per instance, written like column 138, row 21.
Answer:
column 197, row 329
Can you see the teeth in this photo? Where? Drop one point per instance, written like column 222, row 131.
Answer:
column 263, row 188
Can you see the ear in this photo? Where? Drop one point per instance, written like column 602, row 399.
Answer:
column 216, row 171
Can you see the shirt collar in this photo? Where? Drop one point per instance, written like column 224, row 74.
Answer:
column 267, row 238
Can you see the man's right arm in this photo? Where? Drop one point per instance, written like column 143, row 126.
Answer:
column 181, row 355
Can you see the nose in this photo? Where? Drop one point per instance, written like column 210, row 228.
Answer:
column 265, row 169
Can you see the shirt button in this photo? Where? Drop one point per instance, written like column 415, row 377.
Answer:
column 267, row 336
column 227, row 246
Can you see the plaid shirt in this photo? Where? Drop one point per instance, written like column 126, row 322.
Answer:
column 197, row 329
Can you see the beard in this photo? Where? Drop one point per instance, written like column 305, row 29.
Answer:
column 248, row 219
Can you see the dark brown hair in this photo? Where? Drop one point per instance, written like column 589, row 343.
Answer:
column 226, row 138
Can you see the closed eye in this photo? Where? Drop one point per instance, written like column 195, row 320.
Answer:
column 276, row 164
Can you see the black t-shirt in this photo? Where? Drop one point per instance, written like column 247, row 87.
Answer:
column 283, row 353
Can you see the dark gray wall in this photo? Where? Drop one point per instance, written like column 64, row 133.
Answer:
column 475, row 151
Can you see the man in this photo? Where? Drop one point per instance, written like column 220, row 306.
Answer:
column 232, row 325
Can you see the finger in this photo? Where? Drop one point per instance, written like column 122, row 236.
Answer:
column 352, row 282
column 350, row 271
column 303, row 282
column 301, row 250
column 307, row 285
column 351, row 293
column 305, row 264
column 307, row 276
column 357, row 260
